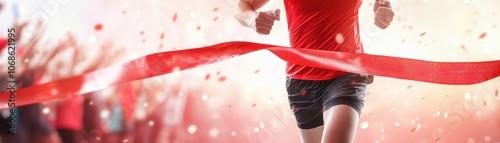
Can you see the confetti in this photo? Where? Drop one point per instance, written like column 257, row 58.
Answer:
column 143, row 40
column 484, row 103
column 174, row 19
column 256, row 71
column 254, row 105
column 463, row 48
column 423, row 34
column 161, row 46
column 483, row 35
column 216, row 9
column 296, row 109
column 303, row 92
column 409, row 86
column 496, row 92
column 222, row 79
column 124, row 12
column 162, row 35
column 218, row 73
column 413, row 130
column 437, row 139
column 207, row 76
column 353, row 82
column 142, row 33
column 198, row 28
column 215, row 19
column 98, row 27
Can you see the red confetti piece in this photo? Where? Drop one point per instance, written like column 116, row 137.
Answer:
column 254, row 105
column 207, row 76
column 162, row 35
column 437, row 139
column 409, row 86
column 215, row 19
column 413, row 130
column 353, row 82
column 256, row 71
column 482, row 35
column 221, row 79
column 174, row 19
column 216, row 9
column 142, row 33
column 161, row 46
column 98, row 27
column 423, row 34
column 198, row 28
column 296, row 109
column 303, row 92
column 124, row 12
column 496, row 92
column 463, row 48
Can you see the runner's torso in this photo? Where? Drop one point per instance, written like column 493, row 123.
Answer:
column 322, row 25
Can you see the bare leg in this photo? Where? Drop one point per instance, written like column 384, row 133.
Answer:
column 311, row 135
column 340, row 124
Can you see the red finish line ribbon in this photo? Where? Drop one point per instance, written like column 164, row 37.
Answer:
column 455, row 73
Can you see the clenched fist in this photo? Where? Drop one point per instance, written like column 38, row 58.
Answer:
column 263, row 21
column 383, row 14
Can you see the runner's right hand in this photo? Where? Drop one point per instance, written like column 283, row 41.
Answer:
column 262, row 22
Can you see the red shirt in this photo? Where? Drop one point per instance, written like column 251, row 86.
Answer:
column 322, row 25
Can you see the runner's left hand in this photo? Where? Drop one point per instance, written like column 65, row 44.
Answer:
column 383, row 14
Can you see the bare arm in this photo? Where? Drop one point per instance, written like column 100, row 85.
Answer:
column 246, row 9
column 261, row 22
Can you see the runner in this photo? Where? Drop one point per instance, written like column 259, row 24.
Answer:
column 327, row 104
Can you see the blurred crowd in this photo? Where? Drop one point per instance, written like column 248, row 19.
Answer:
column 117, row 114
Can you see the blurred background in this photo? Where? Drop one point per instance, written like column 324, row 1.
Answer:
column 242, row 99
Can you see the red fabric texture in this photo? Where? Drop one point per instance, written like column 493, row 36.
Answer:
column 454, row 73
column 322, row 25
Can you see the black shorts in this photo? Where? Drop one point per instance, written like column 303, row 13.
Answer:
column 308, row 99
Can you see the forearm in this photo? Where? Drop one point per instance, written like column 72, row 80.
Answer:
column 245, row 13
column 247, row 9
